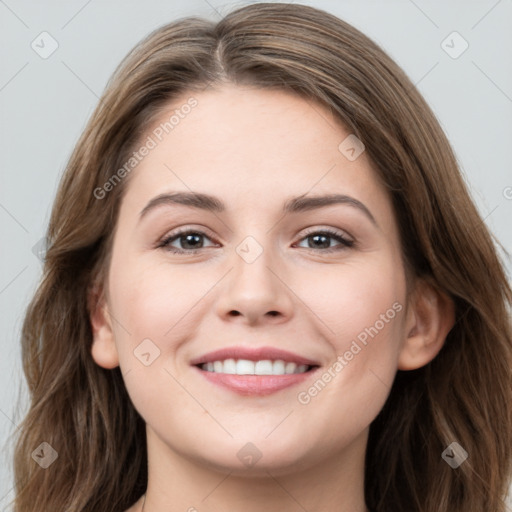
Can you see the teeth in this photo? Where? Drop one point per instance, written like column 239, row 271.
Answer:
column 279, row 367
column 246, row 367
column 243, row 367
column 229, row 366
column 264, row 368
column 290, row 368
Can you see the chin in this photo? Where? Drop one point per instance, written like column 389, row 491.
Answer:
column 256, row 458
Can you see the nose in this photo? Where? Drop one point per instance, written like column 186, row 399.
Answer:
column 256, row 292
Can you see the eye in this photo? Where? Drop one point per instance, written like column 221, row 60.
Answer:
column 189, row 239
column 320, row 240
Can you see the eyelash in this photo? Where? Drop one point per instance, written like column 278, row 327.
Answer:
column 165, row 243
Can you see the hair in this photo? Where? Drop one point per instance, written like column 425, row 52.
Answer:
column 83, row 410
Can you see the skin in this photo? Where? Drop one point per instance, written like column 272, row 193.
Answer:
column 254, row 149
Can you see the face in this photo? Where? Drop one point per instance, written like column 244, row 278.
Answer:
column 323, row 284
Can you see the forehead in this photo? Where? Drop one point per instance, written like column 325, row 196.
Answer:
column 251, row 147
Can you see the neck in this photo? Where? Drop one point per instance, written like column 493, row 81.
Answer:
column 332, row 483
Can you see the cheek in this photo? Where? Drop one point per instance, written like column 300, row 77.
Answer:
column 353, row 297
column 155, row 300
column 154, row 312
column 361, row 308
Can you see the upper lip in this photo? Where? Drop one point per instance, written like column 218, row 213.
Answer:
column 252, row 354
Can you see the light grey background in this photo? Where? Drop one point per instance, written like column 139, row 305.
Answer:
column 45, row 103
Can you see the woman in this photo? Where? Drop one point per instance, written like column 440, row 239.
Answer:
column 266, row 286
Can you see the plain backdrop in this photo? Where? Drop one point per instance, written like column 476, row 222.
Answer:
column 46, row 100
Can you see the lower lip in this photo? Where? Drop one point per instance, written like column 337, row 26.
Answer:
column 250, row 385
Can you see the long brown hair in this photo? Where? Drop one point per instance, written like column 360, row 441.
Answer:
column 464, row 395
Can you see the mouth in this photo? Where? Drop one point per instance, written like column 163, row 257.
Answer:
column 256, row 371
column 262, row 367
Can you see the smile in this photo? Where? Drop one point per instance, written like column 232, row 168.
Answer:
column 252, row 371
column 246, row 367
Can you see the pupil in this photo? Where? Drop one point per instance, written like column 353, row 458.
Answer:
column 317, row 237
column 189, row 237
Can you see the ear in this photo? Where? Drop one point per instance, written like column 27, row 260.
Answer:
column 430, row 316
column 103, row 350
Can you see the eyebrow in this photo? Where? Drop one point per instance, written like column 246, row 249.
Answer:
column 294, row 205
